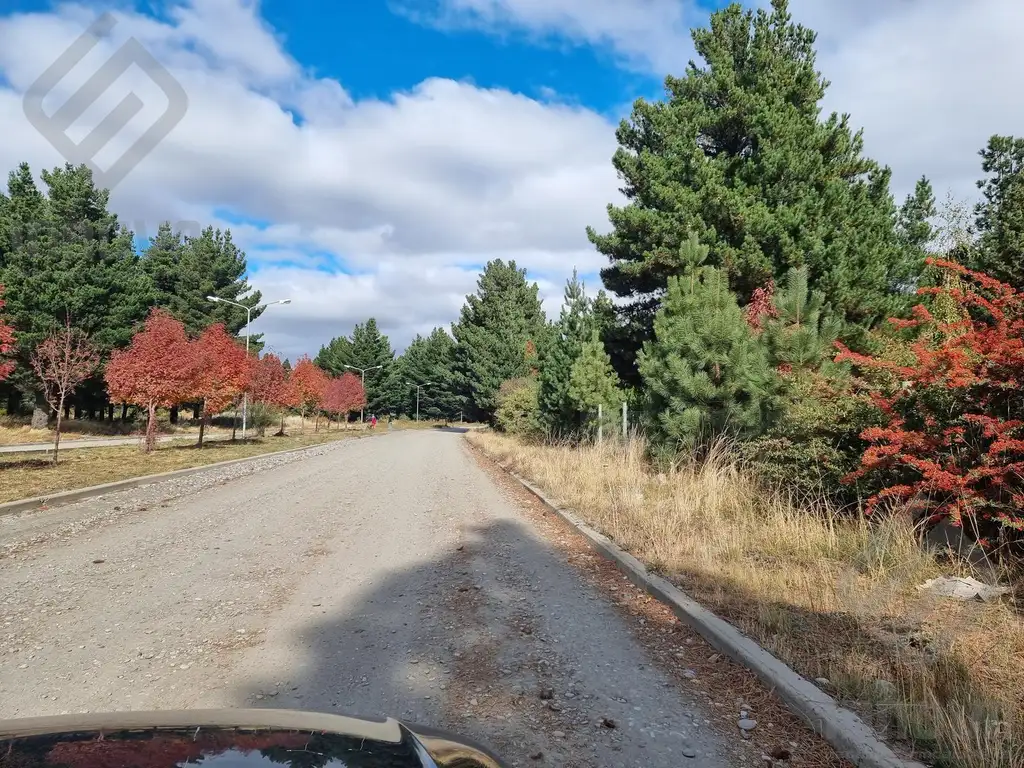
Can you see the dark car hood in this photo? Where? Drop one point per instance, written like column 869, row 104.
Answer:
column 234, row 738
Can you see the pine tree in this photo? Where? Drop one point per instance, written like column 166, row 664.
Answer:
column 369, row 350
column 593, row 384
column 65, row 255
column 161, row 260
column 913, row 222
column 705, row 373
column 212, row 265
column 801, row 336
column 737, row 152
column 429, row 359
column 495, row 326
column 335, row 355
column 565, row 343
column 1000, row 215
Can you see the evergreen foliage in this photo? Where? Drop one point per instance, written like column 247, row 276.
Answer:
column 495, row 328
column 705, row 372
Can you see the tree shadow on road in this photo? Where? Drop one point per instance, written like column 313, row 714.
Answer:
column 420, row 646
column 468, row 642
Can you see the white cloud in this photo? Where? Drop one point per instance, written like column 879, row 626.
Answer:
column 412, row 193
column 929, row 80
column 643, row 33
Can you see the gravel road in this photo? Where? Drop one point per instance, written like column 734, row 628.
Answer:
column 387, row 576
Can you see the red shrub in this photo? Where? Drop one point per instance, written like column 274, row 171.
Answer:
column 762, row 305
column 6, row 342
column 953, row 446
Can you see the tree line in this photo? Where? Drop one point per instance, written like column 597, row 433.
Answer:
column 763, row 286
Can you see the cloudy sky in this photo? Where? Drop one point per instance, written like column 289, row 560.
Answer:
column 372, row 155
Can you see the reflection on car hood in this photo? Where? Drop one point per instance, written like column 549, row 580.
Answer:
column 238, row 738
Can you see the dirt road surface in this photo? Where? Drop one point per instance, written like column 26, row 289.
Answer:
column 388, row 576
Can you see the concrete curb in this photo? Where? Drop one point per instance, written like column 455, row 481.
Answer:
column 66, row 497
column 851, row 737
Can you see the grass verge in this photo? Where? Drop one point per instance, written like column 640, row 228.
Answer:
column 835, row 598
column 24, row 475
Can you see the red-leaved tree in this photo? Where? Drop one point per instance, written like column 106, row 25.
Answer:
column 62, row 361
column 222, row 373
column 268, row 384
column 953, row 444
column 6, row 342
column 344, row 395
column 157, row 369
column 309, row 384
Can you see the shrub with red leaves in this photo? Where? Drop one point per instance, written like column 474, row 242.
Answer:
column 952, row 446
column 761, row 306
column 6, row 342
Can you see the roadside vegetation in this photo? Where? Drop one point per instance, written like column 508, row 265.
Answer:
column 833, row 595
column 26, row 475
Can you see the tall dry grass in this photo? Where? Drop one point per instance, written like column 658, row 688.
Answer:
column 834, row 597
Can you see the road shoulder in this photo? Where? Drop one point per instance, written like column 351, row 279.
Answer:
column 726, row 688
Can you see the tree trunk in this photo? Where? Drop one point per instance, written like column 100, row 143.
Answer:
column 56, row 434
column 40, row 412
column 197, row 411
column 150, row 428
column 202, row 430
column 13, row 402
column 281, row 433
column 174, row 414
column 110, row 411
column 92, row 412
column 124, row 411
column 67, row 410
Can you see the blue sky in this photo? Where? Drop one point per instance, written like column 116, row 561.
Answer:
column 370, row 155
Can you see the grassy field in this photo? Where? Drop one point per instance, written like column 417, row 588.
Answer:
column 835, row 598
column 23, row 475
column 16, row 430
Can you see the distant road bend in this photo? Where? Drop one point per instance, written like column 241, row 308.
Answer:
column 374, row 577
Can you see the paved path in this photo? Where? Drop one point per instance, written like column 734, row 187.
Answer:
column 101, row 442
column 376, row 577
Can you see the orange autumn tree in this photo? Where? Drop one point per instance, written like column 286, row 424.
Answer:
column 344, row 395
column 156, row 370
column 222, row 373
column 952, row 446
column 269, row 384
column 6, row 342
column 309, row 385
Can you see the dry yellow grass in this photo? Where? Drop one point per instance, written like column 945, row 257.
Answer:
column 16, row 430
column 833, row 597
column 24, row 475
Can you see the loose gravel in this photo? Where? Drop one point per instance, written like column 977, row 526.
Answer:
column 377, row 577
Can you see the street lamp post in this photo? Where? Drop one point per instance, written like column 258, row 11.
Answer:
column 418, row 387
column 362, row 372
column 248, row 319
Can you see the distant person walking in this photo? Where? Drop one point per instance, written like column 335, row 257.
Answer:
column 373, row 422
